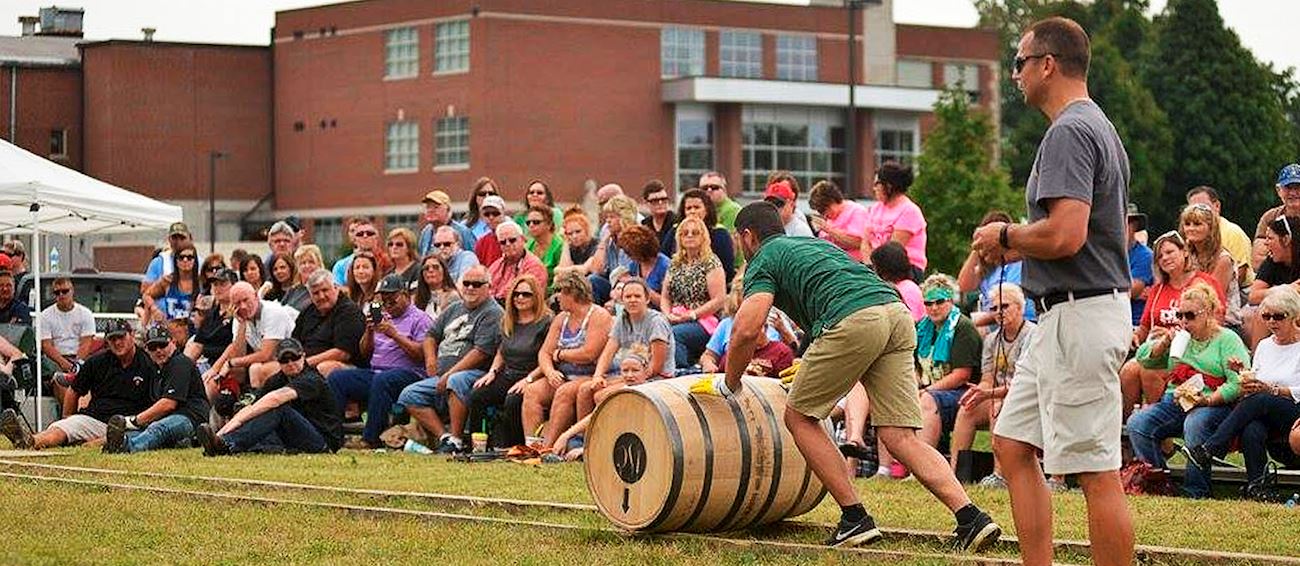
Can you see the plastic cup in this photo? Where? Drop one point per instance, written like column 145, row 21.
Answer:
column 480, row 440
column 1178, row 346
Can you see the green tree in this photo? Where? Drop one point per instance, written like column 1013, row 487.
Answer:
column 958, row 179
column 1230, row 128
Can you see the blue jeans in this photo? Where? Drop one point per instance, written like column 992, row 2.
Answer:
column 424, row 393
column 691, row 338
column 282, row 425
column 376, row 390
column 1148, row 427
column 1259, row 420
column 167, row 432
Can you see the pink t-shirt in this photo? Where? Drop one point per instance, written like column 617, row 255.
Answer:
column 852, row 219
column 911, row 293
column 903, row 215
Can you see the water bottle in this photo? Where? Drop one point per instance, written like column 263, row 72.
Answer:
column 54, row 258
column 416, row 448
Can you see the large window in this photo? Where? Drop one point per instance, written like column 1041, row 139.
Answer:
column 681, row 52
column 796, row 57
column 328, row 234
column 808, row 142
column 694, row 144
column 967, row 75
column 402, row 147
column 740, row 54
column 898, row 138
column 451, row 47
column 401, row 53
column 915, row 74
column 451, row 142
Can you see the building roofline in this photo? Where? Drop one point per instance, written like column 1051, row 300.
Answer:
column 142, row 43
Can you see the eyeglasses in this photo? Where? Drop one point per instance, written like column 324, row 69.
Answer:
column 523, row 294
column 397, row 244
column 491, row 213
column 712, row 188
column 935, row 302
column 487, row 193
column 536, row 193
column 657, row 200
column 431, row 267
column 1172, row 235
column 474, row 284
column 186, row 257
column 508, row 241
column 289, row 358
column 1019, row 62
column 155, row 346
column 1001, row 307
column 1188, row 315
column 62, row 292
column 1275, row 316
column 366, row 233
column 531, row 222
column 443, row 244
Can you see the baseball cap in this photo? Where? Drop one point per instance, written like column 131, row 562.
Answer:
column 156, row 333
column 494, row 201
column 228, row 275
column 391, row 284
column 178, row 228
column 781, row 190
column 6, row 263
column 1289, row 175
column 118, row 327
column 288, row 346
column 438, row 196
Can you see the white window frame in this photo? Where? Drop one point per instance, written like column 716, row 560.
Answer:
column 915, row 73
column 692, row 112
column 681, row 52
column 451, row 143
column 740, row 54
column 796, row 58
column 402, row 146
column 401, row 53
column 829, row 118
column 966, row 73
column 451, row 45
column 902, row 124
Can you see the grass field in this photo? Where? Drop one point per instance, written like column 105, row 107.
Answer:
column 64, row 523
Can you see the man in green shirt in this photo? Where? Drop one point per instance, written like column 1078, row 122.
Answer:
column 715, row 184
column 861, row 332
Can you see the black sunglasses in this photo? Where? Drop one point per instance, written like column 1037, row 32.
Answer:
column 62, row 292
column 186, row 257
column 487, row 193
column 289, row 358
column 1188, row 315
column 524, row 294
column 1276, row 316
column 933, row 303
column 657, row 200
column 491, row 213
column 1001, row 307
column 1019, row 62
column 443, row 244
column 155, row 346
column 505, row 241
column 532, row 222
column 474, row 284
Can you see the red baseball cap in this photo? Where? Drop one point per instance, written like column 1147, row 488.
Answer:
column 6, row 263
column 781, row 190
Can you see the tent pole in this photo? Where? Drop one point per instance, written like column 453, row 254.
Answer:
column 36, row 308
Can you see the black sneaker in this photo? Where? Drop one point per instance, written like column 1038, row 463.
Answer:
column 115, row 440
column 213, row 445
column 16, row 430
column 850, row 450
column 977, row 534
column 851, row 534
column 1199, row 457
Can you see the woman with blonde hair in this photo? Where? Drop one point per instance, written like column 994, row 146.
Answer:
column 694, row 291
column 1210, row 356
column 523, row 328
column 402, row 254
column 618, row 213
column 1199, row 225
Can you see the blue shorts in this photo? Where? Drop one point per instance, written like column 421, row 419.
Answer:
column 948, row 402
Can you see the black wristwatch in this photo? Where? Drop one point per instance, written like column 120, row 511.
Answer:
column 1003, row 240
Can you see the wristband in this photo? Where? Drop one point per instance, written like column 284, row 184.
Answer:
column 1003, row 237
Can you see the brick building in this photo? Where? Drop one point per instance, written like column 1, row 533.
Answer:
column 360, row 107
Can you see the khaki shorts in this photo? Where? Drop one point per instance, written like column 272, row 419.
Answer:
column 874, row 346
column 81, row 428
column 1065, row 396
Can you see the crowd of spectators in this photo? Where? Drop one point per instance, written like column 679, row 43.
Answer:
column 518, row 326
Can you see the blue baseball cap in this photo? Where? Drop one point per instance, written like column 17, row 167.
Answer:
column 1289, row 175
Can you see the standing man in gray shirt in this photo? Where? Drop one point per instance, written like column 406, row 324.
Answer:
column 1065, row 401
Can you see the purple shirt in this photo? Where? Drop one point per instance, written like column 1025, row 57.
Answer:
column 413, row 324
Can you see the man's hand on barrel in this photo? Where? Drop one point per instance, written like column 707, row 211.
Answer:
column 714, row 384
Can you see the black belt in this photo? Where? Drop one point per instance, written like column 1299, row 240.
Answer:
column 1046, row 302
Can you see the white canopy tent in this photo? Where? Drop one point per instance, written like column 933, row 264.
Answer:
column 38, row 195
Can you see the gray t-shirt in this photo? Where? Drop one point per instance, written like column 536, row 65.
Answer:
column 459, row 329
column 1081, row 157
column 999, row 358
column 634, row 337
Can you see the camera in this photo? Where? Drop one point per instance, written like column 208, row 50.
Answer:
column 376, row 312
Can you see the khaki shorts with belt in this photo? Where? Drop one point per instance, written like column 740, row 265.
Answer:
column 874, row 346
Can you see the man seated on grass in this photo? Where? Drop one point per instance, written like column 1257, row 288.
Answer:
column 463, row 339
column 393, row 343
column 117, row 381
column 295, row 412
column 179, row 403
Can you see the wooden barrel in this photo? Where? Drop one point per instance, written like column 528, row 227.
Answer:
column 660, row 459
